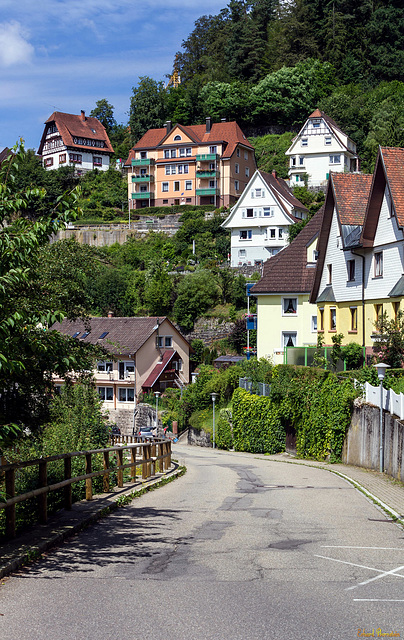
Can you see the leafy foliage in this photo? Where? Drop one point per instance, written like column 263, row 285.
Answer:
column 389, row 346
column 257, row 425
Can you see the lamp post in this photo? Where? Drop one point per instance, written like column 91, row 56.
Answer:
column 134, row 393
column 213, row 396
column 157, row 394
column 381, row 372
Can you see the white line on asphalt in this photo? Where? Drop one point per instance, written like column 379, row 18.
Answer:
column 375, row 600
column 330, row 546
column 386, row 573
column 352, row 564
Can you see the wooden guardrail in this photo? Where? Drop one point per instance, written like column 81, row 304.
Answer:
column 154, row 456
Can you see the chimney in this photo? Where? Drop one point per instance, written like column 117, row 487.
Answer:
column 83, row 115
column 208, row 124
column 274, row 173
column 110, row 314
column 168, row 126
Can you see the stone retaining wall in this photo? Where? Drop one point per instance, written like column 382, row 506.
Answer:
column 199, row 437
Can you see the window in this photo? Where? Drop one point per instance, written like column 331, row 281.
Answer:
column 313, row 324
column 351, row 270
column 237, row 185
column 238, row 152
column 242, row 253
column 48, row 162
column 379, row 264
column 168, row 341
column 293, row 161
column 396, row 308
column 335, row 159
column 188, row 185
column 280, row 234
column 258, row 193
column 327, row 140
column 272, row 234
column 316, row 124
column 176, row 186
column 237, row 168
column 333, row 319
column 143, row 155
column 329, row 273
column 104, row 366
column 166, row 153
column 164, row 186
column 75, row 334
column 268, row 212
column 250, row 213
column 143, row 172
column 354, row 318
column 177, row 138
column 305, row 142
column 321, row 310
column 103, row 335
column 97, row 161
column 315, row 255
column 173, row 153
column 126, row 394
column 245, row 155
column 301, row 160
column 106, row 393
column 245, row 234
column 75, row 157
column 188, row 151
column 289, row 338
column 247, row 172
column 289, row 306
column 212, row 184
column 168, row 170
column 165, row 201
column 182, row 152
column 378, row 312
column 183, row 168
column 126, row 369
column 213, row 149
column 212, row 166
column 188, row 199
column 143, row 188
column 62, row 158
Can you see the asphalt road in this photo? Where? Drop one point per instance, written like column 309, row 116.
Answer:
column 239, row 548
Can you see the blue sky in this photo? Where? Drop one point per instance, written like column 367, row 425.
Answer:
column 64, row 55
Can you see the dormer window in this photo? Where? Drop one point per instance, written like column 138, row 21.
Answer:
column 177, row 138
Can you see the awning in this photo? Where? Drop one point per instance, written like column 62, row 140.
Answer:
column 158, row 369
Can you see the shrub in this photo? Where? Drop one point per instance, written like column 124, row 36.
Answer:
column 224, row 435
column 257, row 425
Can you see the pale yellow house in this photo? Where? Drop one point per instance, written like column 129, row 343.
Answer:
column 195, row 165
column 285, row 316
column 361, row 251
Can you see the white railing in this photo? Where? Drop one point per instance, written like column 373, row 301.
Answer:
column 392, row 402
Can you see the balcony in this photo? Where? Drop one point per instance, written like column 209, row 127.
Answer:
column 200, row 173
column 207, row 192
column 146, row 178
column 143, row 195
column 207, row 157
column 144, row 162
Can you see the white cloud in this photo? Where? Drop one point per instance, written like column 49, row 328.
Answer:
column 14, row 46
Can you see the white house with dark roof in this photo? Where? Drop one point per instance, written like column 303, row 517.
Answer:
column 146, row 354
column 260, row 220
column 319, row 148
column 79, row 141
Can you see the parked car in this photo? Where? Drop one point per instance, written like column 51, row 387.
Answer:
column 146, row 433
column 115, row 431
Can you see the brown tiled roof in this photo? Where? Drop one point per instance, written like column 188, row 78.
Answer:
column 351, row 193
column 393, row 160
column 125, row 335
column 71, row 126
column 279, row 185
column 288, row 271
column 228, row 132
column 4, row 154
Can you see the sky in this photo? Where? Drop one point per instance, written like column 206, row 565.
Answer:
column 64, row 55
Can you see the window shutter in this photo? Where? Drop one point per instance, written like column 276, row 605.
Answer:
column 263, row 193
column 243, row 213
column 252, row 193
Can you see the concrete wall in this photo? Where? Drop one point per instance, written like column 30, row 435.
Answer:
column 362, row 443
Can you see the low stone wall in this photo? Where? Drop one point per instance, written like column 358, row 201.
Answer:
column 362, row 443
column 209, row 330
column 145, row 416
column 199, row 437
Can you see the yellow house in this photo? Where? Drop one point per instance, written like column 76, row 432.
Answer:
column 196, row 165
column 285, row 316
column 361, row 260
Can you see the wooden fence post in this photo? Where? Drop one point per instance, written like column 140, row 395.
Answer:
column 133, row 461
column 169, row 454
column 144, row 464
column 43, row 498
column 89, row 481
column 10, row 511
column 105, row 482
column 68, row 489
column 119, row 454
column 153, row 455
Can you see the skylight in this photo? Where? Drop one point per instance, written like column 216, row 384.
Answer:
column 77, row 333
column 105, row 333
column 85, row 334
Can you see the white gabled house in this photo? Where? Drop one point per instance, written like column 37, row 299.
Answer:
column 259, row 221
column 319, row 148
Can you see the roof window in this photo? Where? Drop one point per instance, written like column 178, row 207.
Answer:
column 75, row 334
column 105, row 333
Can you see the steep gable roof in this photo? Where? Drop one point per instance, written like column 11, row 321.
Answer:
column 228, row 133
column 332, row 125
column 72, row 126
column 280, row 186
column 288, row 271
column 123, row 335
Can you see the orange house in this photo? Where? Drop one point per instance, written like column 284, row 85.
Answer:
column 198, row 164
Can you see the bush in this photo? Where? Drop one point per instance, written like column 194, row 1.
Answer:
column 224, row 435
column 257, row 425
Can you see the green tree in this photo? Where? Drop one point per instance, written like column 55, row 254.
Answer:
column 147, row 107
column 196, row 294
column 389, row 346
column 104, row 112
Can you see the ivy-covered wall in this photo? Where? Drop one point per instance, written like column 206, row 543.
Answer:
column 257, row 425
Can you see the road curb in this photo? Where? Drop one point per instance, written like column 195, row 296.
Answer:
column 22, row 553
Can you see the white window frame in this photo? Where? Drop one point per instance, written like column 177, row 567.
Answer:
column 247, row 233
column 164, row 186
column 314, row 324
column 378, row 264
column 304, row 142
column 327, row 140
column 268, row 212
column 285, row 338
column 335, row 158
column 105, row 366
column 188, row 185
column 104, row 392
column 287, row 303
column 126, row 394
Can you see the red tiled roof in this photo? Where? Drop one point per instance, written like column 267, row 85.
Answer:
column 158, row 369
column 288, row 271
column 227, row 132
column 393, row 160
column 71, row 126
column 125, row 335
column 351, row 193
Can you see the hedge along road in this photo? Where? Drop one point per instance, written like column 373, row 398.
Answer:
column 240, row 548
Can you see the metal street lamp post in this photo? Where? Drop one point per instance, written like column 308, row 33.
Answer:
column 157, row 394
column 213, row 396
column 381, row 373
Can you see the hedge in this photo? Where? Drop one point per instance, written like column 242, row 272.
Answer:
column 257, row 425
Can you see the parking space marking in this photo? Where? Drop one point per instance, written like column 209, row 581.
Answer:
column 330, row 546
column 375, row 600
column 393, row 572
column 362, row 566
